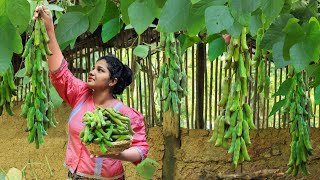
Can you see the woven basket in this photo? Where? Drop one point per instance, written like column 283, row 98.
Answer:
column 118, row 147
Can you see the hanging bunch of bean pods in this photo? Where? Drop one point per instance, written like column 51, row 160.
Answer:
column 7, row 91
column 299, row 106
column 236, row 117
column 172, row 81
column 260, row 58
column 38, row 108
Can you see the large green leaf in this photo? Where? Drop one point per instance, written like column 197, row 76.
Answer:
column 255, row 24
column 303, row 11
column 110, row 29
column 241, row 10
column 314, row 71
column 110, row 12
column 196, row 24
column 235, row 29
column 88, row 2
column 66, row 44
column 33, row 5
column 94, row 10
column 271, row 8
column 277, row 106
column 55, row 98
column 200, row 7
column 216, row 48
column 240, row 7
column 174, row 16
column 294, row 34
column 5, row 59
column 161, row 3
column 71, row 25
column 274, row 34
column 313, row 37
column 10, row 37
column 301, row 55
column 196, row 17
column 141, row 51
column 313, row 7
column 141, row 15
column 147, row 168
column 3, row 7
column 10, row 42
column 187, row 41
column 218, row 18
column 124, row 5
column 95, row 14
column 317, row 95
column 277, row 55
column 78, row 8
column 284, row 88
column 18, row 12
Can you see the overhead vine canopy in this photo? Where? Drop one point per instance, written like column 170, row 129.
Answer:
column 287, row 22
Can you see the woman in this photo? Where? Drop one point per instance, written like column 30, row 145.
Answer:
column 108, row 78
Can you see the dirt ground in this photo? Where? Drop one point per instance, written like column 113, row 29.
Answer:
column 47, row 161
column 195, row 160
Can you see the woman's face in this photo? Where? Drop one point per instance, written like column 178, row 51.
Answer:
column 99, row 76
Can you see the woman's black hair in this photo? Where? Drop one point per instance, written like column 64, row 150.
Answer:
column 120, row 71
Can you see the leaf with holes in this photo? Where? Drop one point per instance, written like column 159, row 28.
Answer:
column 218, row 18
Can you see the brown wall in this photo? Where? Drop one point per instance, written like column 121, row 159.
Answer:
column 196, row 159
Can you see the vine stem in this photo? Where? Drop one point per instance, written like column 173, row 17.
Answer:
column 49, row 167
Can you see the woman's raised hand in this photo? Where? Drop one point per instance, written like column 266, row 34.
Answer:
column 46, row 15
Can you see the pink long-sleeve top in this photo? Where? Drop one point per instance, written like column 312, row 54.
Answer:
column 79, row 96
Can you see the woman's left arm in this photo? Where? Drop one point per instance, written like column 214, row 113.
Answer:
column 130, row 154
column 139, row 147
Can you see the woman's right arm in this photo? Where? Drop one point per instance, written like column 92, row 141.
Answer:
column 55, row 60
column 69, row 88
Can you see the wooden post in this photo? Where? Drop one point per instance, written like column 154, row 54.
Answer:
column 171, row 127
column 201, row 62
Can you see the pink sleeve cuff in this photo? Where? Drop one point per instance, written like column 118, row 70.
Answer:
column 142, row 155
